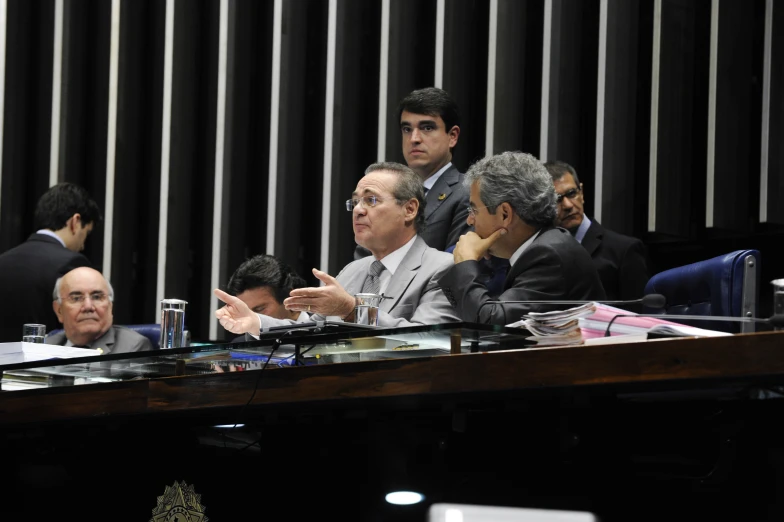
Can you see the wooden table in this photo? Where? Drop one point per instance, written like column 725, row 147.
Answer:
column 547, row 427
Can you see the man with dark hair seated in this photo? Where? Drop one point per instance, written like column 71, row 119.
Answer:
column 263, row 282
column 620, row 260
column 64, row 217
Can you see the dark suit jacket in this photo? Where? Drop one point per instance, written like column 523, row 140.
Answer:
column 446, row 210
column 27, row 276
column 620, row 261
column 553, row 267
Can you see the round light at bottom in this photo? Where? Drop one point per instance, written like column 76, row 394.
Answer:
column 404, row 498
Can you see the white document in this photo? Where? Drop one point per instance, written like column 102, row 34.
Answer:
column 19, row 352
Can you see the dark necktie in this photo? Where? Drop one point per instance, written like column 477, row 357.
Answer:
column 373, row 280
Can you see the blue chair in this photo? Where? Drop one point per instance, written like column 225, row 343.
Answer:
column 726, row 285
column 150, row 331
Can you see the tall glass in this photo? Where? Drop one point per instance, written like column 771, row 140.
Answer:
column 778, row 298
column 34, row 333
column 367, row 309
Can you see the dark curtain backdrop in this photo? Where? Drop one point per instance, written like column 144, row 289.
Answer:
column 681, row 222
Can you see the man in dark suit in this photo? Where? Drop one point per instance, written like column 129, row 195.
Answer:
column 512, row 210
column 430, row 127
column 620, row 260
column 64, row 217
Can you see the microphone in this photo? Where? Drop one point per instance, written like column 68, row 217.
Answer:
column 776, row 321
column 650, row 300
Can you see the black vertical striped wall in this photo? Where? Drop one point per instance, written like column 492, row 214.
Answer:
column 672, row 112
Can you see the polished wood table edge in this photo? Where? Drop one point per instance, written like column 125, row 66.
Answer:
column 684, row 359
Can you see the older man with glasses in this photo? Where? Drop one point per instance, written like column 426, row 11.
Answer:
column 83, row 301
column 620, row 260
column 512, row 208
column 388, row 215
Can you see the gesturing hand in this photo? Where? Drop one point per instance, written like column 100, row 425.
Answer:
column 330, row 299
column 472, row 247
column 236, row 317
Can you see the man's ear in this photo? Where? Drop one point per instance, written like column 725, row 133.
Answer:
column 454, row 133
column 412, row 209
column 73, row 221
column 57, row 307
column 507, row 212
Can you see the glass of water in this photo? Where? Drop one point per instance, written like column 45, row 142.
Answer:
column 34, row 333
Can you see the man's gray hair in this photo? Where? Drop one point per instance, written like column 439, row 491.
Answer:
column 409, row 186
column 59, row 282
column 518, row 179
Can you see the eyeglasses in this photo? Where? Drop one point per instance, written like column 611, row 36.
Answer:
column 473, row 210
column 367, row 201
column 569, row 194
column 95, row 297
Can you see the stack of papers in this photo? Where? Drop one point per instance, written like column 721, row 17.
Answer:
column 556, row 328
column 595, row 325
column 589, row 322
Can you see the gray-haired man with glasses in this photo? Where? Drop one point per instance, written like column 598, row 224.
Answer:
column 388, row 215
column 83, row 301
column 512, row 207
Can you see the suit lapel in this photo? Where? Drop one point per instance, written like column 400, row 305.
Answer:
column 517, row 268
column 593, row 237
column 404, row 274
column 105, row 342
column 443, row 187
column 354, row 285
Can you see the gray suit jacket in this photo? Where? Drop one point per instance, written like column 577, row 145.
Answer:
column 117, row 339
column 417, row 298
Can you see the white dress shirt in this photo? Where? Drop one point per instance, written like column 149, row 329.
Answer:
column 519, row 251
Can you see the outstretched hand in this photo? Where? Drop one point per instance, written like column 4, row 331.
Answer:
column 328, row 300
column 236, row 317
column 472, row 247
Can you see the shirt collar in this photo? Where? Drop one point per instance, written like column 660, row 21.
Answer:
column 393, row 260
column 519, row 251
column 429, row 182
column 582, row 229
column 47, row 232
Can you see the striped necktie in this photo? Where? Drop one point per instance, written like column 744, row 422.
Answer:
column 373, row 280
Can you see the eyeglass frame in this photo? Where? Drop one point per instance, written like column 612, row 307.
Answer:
column 472, row 211
column 560, row 197
column 350, row 205
column 95, row 297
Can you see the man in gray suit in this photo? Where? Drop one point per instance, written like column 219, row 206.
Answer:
column 387, row 208
column 83, row 302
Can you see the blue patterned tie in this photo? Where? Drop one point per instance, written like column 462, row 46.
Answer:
column 373, row 280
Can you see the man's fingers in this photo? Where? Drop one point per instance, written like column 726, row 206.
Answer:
column 324, row 277
column 223, row 296
column 495, row 236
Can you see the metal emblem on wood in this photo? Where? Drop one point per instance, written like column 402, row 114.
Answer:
column 179, row 503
